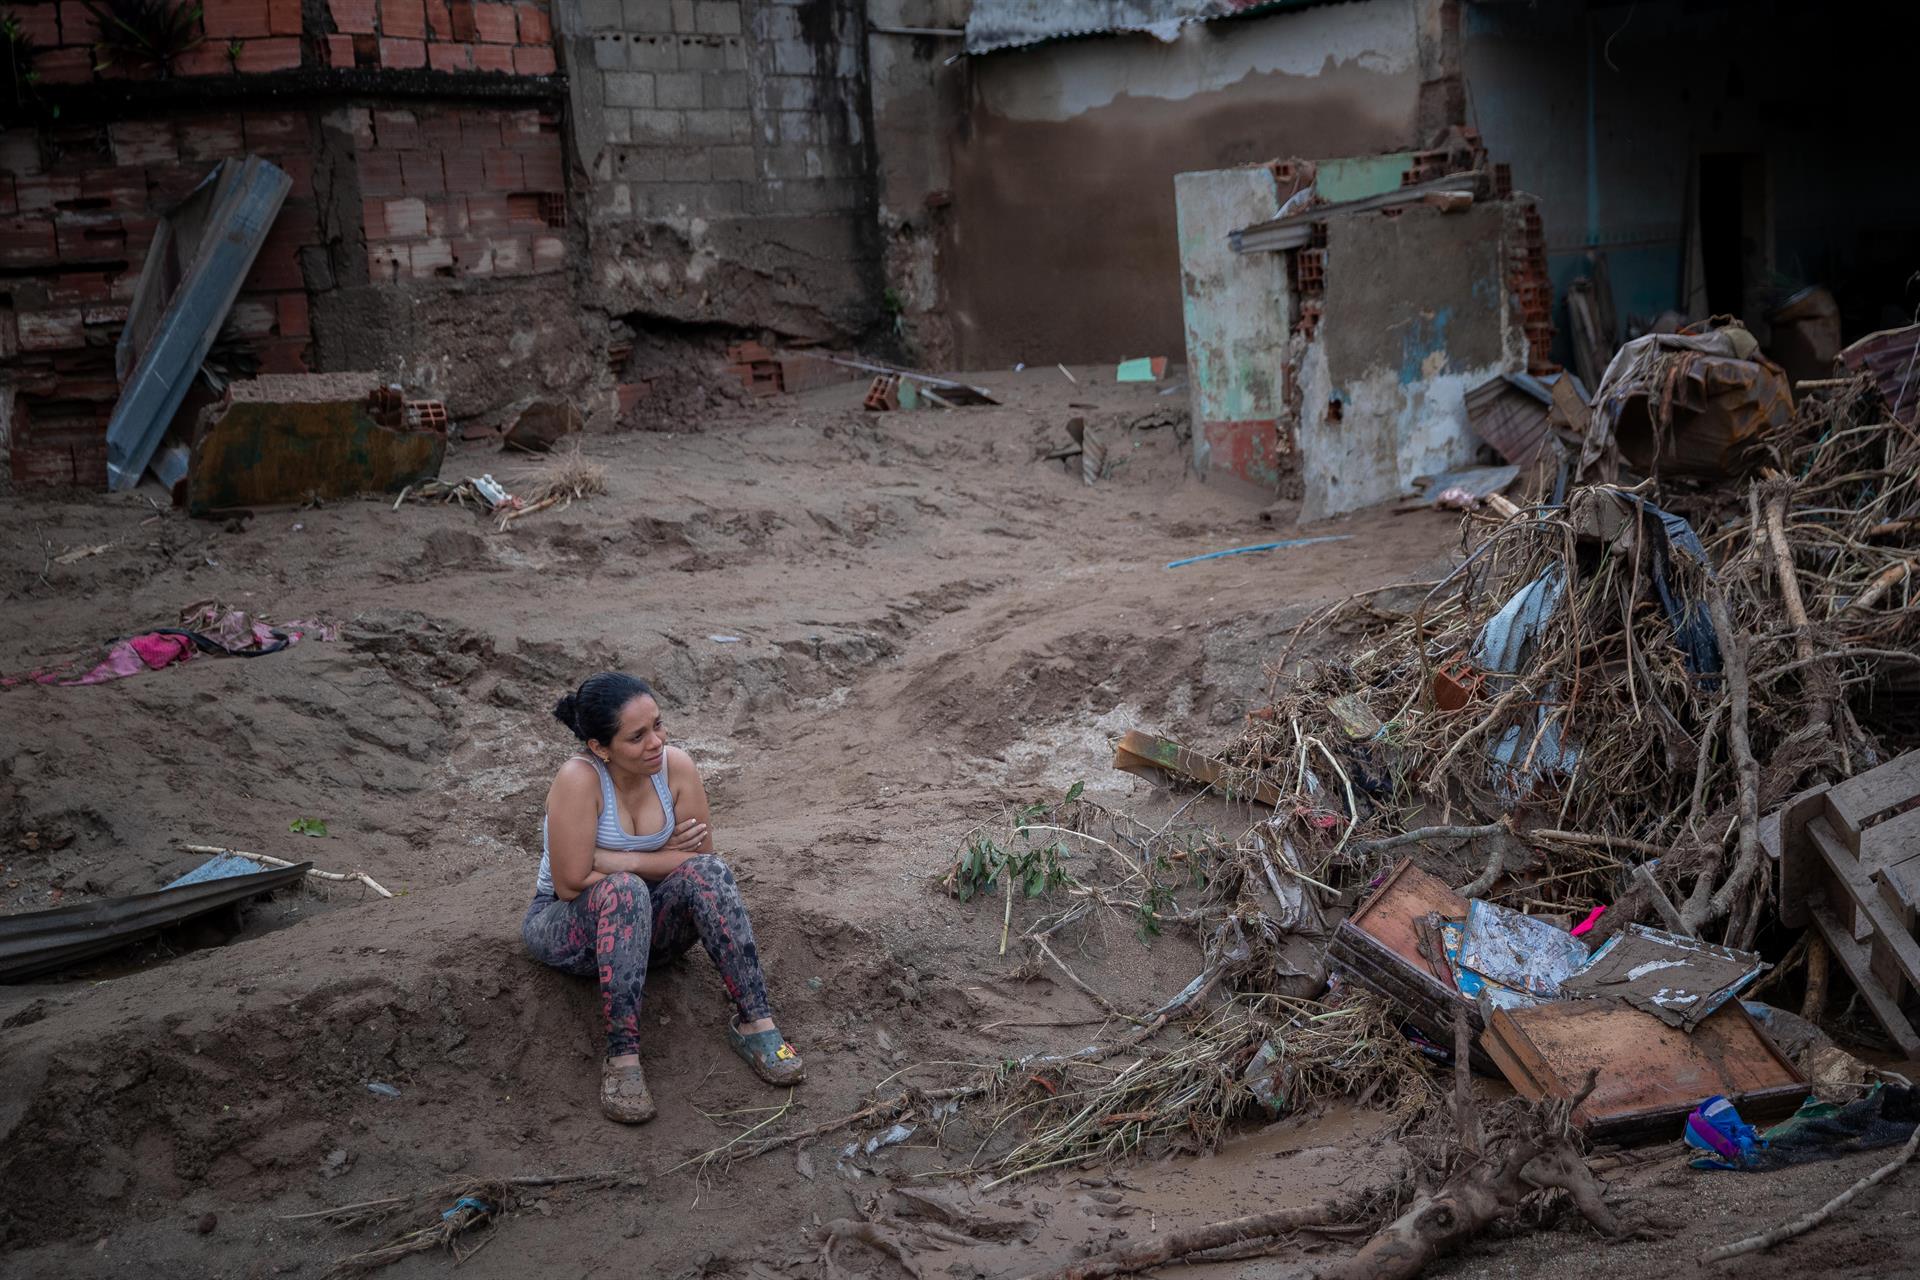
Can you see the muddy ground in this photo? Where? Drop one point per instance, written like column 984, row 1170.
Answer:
column 873, row 632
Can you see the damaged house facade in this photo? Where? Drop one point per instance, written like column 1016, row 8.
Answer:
column 495, row 202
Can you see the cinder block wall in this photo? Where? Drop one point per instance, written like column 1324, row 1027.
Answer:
column 729, row 154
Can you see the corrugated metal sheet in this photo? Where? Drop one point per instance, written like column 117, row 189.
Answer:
column 1010, row 24
column 36, row 942
column 1892, row 356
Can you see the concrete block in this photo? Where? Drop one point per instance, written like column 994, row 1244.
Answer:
column 717, row 17
column 728, row 89
column 785, row 162
column 708, row 127
column 676, row 89
column 685, row 164
column 658, row 126
column 651, row 16
column 734, row 50
column 799, row 126
column 616, row 199
column 610, row 52
column 642, row 165
column 599, row 15
column 618, row 122
column 741, row 125
column 683, row 19
column 794, row 58
column 630, row 88
column 702, row 55
column 790, row 93
column 653, row 53
column 733, row 164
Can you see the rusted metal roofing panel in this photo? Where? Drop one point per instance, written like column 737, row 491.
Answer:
column 36, row 942
column 1009, row 24
column 1892, row 356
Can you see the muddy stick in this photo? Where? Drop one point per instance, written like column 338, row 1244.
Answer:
column 1421, row 835
column 1213, row 1235
column 1735, row 646
column 1808, row 1221
column 271, row 861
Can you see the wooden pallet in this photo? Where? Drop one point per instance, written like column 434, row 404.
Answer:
column 1850, row 867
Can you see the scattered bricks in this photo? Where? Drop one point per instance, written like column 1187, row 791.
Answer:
column 432, row 257
column 495, row 23
column 274, row 132
column 535, row 27
column 396, row 130
column 1310, row 272
column 544, row 170
column 406, row 219
column 226, row 19
column 439, row 20
column 279, row 53
column 493, row 57
column 206, row 139
column 465, row 171
column 403, row 18
column 534, row 62
column 504, row 170
column 77, row 24
column 291, row 315
column 353, row 17
column 450, row 57
column 402, row 55
column 461, row 21
column 549, row 254
column 57, row 330
column 488, row 214
column 380, row 174
column 421, row 173
column 373, row 220
column 43, row 194
column 64, row 66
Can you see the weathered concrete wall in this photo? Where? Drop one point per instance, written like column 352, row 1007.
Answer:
column 729, row 160
column 1603, row 117
column 1417, row 313
column 1062, row 242
column 918, row 103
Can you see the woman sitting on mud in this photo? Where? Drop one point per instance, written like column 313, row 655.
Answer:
column 611, row 901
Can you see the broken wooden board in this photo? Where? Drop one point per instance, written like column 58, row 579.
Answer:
column 292, row 438
column 1679, row 980
column 1650, row 1075
column 1379, row 947
column 1146, row 755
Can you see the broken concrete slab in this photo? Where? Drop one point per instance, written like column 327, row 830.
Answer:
column 291, row 438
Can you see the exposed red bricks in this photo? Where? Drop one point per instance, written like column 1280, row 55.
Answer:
column 402, row 54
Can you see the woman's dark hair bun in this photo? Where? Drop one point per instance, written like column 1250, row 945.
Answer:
column 592, row 712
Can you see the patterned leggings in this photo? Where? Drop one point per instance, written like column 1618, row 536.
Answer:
column 622, row 924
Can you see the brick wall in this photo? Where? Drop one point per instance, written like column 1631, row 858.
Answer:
column 251, row 37
column 455, row 192
column 78, row 209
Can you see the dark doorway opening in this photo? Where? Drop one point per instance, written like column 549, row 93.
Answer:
column 1733, row 232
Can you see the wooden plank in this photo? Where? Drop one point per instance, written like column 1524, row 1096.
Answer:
column 1145, row 753
column 1889, row 931
column 1650, row 1075
column 1856, row 802
column 1858, row 964
column 1802, row 874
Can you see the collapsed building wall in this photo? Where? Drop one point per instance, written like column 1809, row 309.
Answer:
column 1062, row 240
column 730, row 161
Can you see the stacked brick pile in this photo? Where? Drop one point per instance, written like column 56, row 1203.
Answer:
column 77, row 216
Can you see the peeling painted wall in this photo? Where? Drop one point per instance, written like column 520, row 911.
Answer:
column 1417, row 314
column 1062, row 241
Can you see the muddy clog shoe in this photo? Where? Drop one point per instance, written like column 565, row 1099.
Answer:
column 769, row 1054
column 624, row 1096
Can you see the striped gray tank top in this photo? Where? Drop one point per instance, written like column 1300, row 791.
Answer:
column 607, row 833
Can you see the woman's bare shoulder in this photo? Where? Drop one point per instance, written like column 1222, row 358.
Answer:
column 679, row 763
column 576, row 780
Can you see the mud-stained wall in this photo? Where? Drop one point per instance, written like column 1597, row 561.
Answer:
column 1417, row 314
column 1062, row 241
